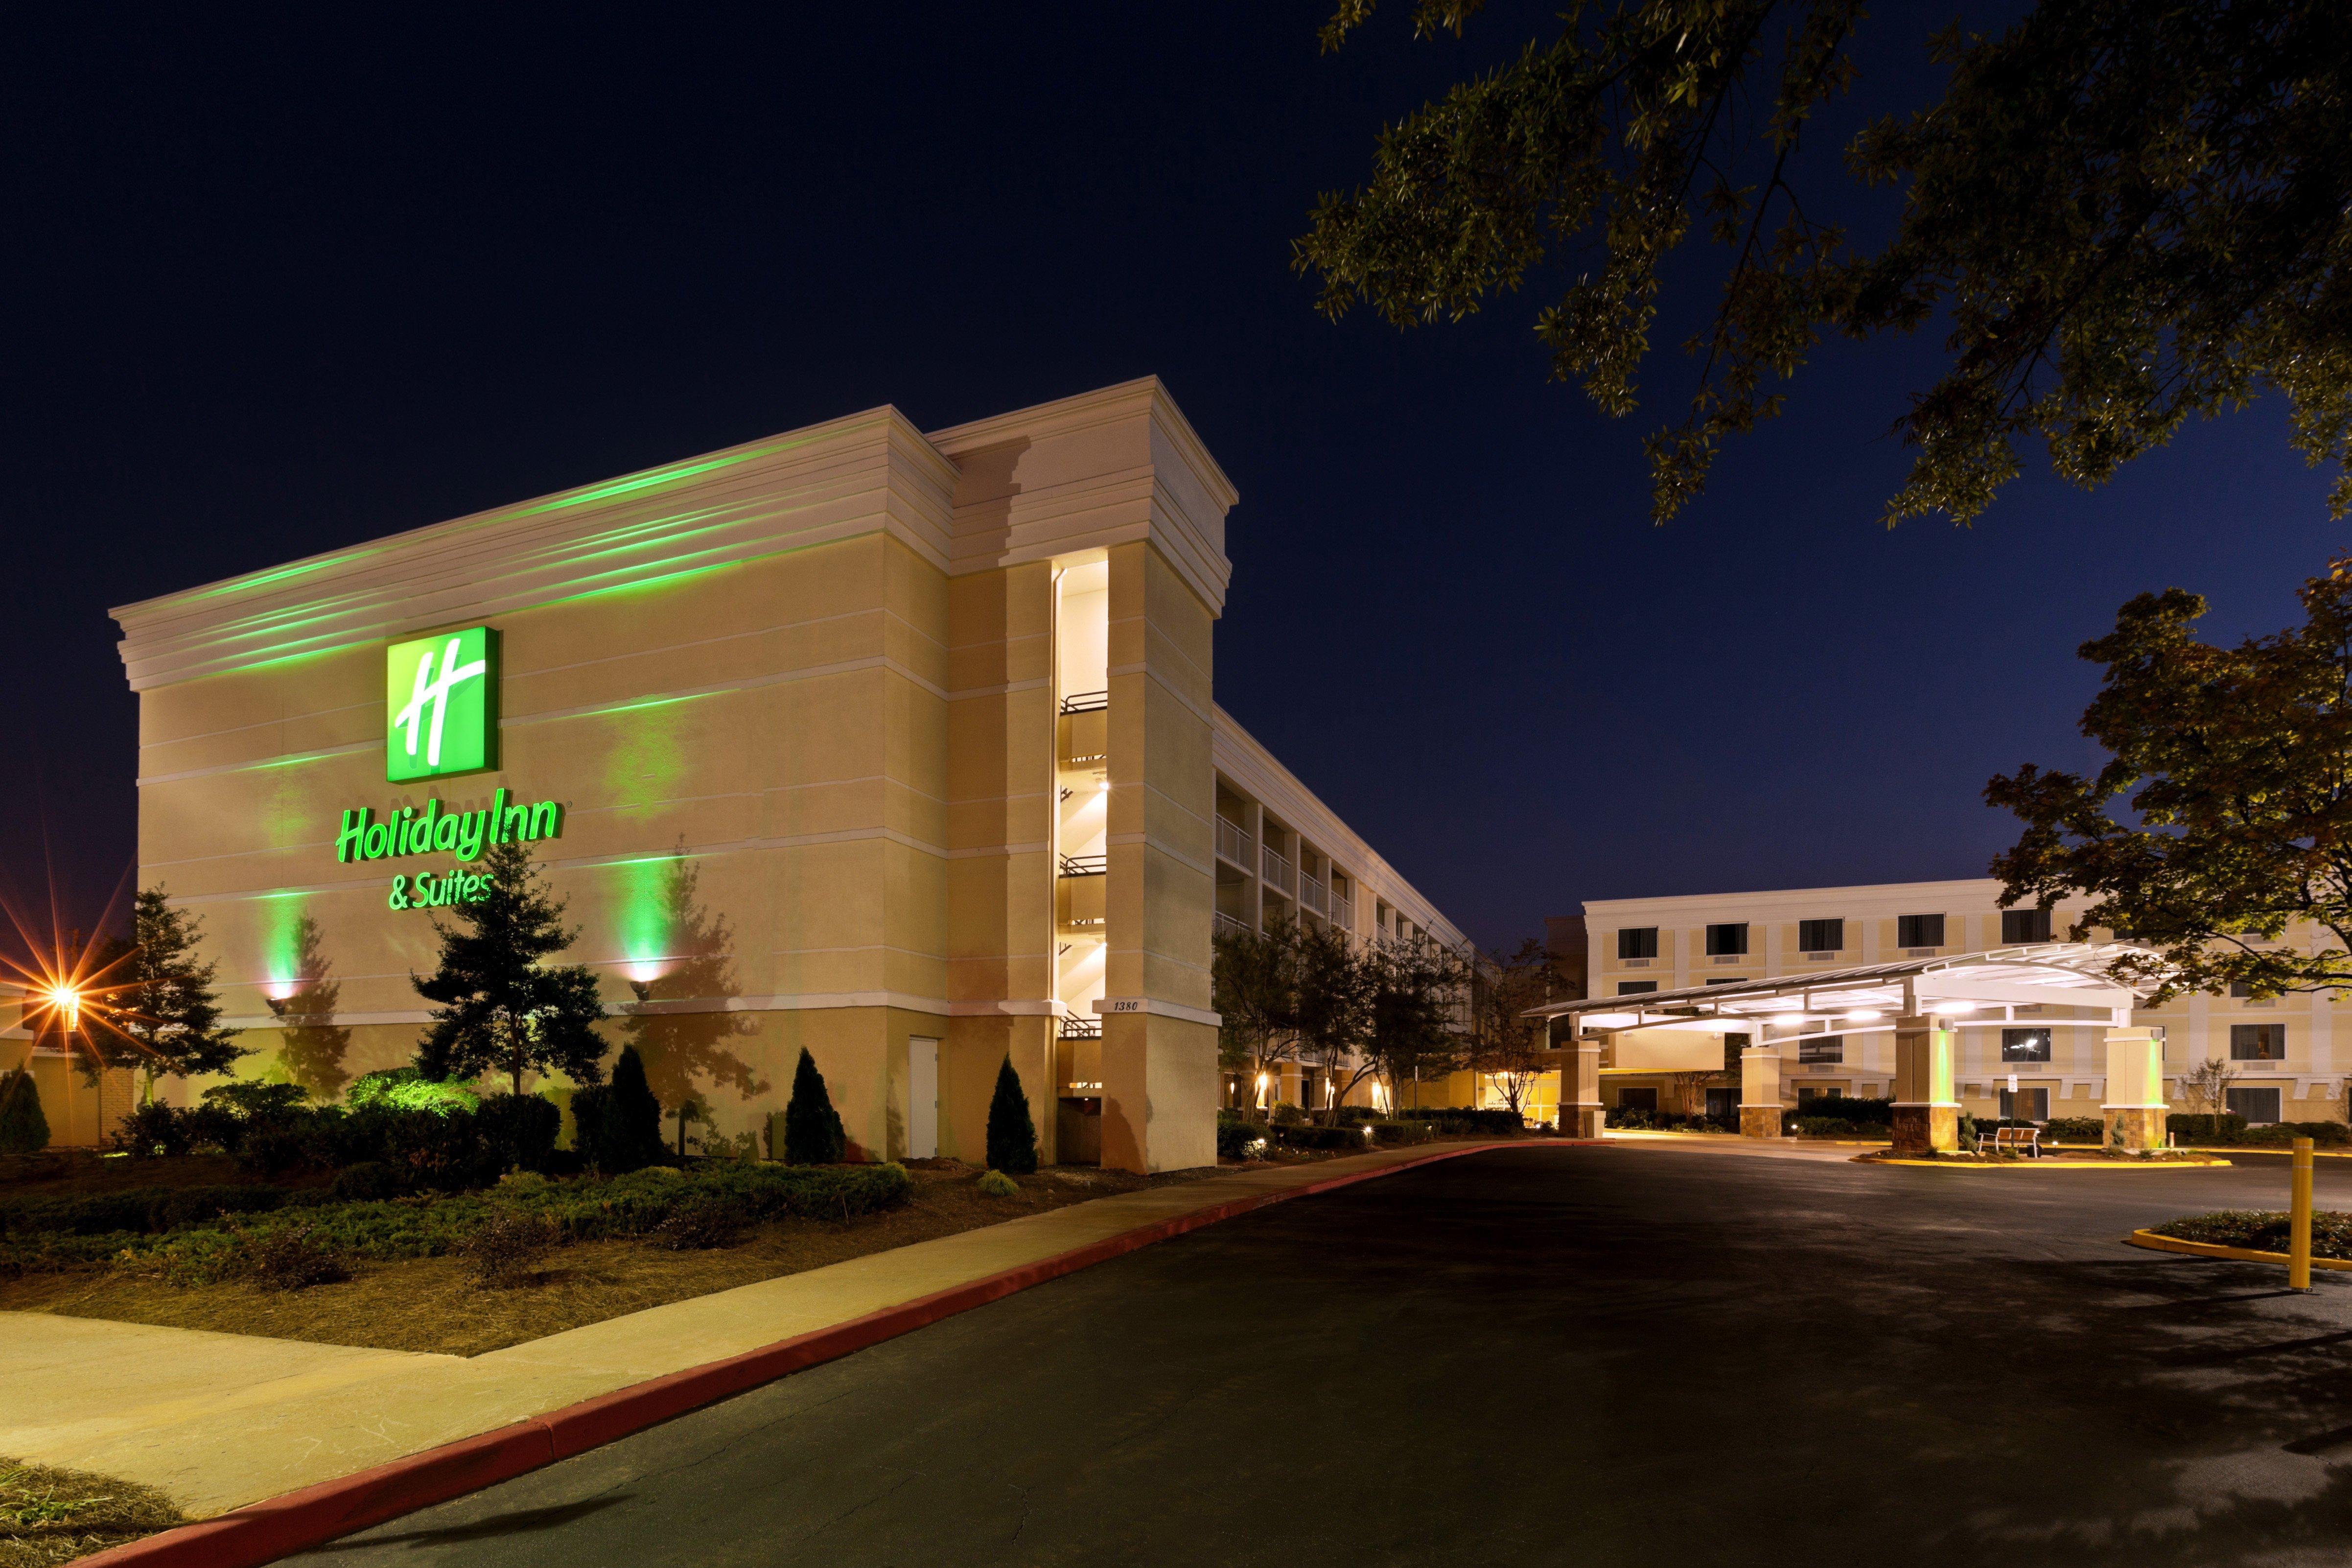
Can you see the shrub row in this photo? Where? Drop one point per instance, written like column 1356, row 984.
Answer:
column 1236, row 1138
column 139, row 1209
column 1462, row 1119
column 2074, row 1130
column 579, row 1210
column 2262, row 1230
column 2227, row 1128
column 1307, row 1135
column 1634, row 1119
column 447, row 1149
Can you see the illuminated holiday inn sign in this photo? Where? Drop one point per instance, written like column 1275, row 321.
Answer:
column 433, row 831
column 441, row 702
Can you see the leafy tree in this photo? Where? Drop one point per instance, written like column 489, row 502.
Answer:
column 1410, row 1032
column 1254, row 983
column 1504, row 1046
column 314, row 1044
column 23, row 1126
column 159, row 1014
column 503, row 1008
column 684, row 1050
column 813, row 1131
column 2232, row 762
column 1012, row 1135
column 1334, row 1010
column 2126, row 212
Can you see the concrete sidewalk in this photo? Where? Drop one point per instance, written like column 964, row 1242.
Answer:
column 217, row 1421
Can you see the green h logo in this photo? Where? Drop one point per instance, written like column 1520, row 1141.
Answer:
column 441, row 693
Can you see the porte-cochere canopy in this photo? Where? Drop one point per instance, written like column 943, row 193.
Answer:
column 1978, row 985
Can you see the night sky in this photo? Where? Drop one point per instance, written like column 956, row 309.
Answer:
column 278, row 282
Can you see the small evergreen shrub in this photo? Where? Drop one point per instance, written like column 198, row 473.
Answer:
column 1236, row 1138
column 1392, row 1134
column 289, row 1257
column 997, row 1184
column 1012, row 1135
column 507, row 1247
column 634, row 1118
column 153, row 1128
column 813, row 1129
column 370, row 1181
column 703, row 1221
column 23, row 1128
column 518, row 1131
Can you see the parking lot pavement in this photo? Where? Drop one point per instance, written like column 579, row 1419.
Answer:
column 1603, row 1356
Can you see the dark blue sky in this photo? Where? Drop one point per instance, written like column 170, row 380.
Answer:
column 280, row 282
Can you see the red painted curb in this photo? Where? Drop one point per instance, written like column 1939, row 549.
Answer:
column 263, row 1531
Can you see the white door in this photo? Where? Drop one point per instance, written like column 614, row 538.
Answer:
column 922, row 1099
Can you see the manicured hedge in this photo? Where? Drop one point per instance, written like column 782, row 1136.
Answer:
column 1235, row 1138
column 138, row 1209
column 1340, row 1140
column 2228, row 1129
column 2075, row 1129
column 1464, row 1119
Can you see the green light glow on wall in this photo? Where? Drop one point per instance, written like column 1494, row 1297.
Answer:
column 281, row 940
column 641, row 916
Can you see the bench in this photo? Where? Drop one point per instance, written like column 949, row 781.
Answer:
column 2028, row 1139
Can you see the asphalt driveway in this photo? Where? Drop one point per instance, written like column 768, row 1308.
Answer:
column 1559, row 1355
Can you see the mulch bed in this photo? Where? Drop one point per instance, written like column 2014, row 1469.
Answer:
column 434, row 1304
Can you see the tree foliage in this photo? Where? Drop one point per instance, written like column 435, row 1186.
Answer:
column 161, row 1015
column 1504, row 1044
column 2123, row 213
column 2235, row 764
column 503, row 1007
column 1410, row 1034
column 1253, row 985
column 1333, row 1010
column 23, row 1128
column 1011, row 1134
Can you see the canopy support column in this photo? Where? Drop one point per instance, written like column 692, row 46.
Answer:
column 1760, row 1090
column 1580, row 1087
column 1926, row 1113
column 2134, row 1108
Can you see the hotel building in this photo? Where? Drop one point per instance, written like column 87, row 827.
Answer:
column 900, row 746
column 2030, row 1063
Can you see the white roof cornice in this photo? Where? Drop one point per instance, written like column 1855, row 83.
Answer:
column 1101, row 469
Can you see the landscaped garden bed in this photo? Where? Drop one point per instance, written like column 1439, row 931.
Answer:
column 409, row 1273
column 54, row 1516
column 2262, row 1230
column 2049, row 1156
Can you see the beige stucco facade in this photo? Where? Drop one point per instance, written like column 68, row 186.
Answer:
column 930, row 718
column 2282, row 1049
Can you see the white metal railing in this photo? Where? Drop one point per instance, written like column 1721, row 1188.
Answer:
column 1276, row 868
column 1343, row 912
column 1314, row 895
column 1232, row 844
column 1226, row 923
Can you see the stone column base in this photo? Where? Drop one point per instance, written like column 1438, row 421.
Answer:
column 2135, row 1126
column 1760, row 1121
column 1919, row 1129
column 1582, row 1120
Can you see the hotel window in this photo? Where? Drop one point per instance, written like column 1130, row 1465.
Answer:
column 1725, row 979
column 1638, row 941
column 2258, row 1042
column 1637, row 1099
column 1828, row 1049
column 1808, row 1093
column 1635, row 987
column 1918, row 931
column 2024, row 925
column 1726, row 940
column 2260, row 1106
column 1820, row 936
column 2025, row 1045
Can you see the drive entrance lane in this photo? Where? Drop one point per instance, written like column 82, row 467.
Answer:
column 1584, row 1355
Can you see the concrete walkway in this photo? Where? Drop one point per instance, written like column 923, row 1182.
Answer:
column 216, row 1421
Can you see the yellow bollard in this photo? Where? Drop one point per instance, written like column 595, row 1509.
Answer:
column 2298, row 1220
